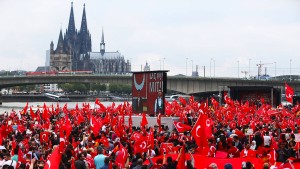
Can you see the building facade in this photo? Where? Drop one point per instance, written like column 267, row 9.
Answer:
column 74, row 52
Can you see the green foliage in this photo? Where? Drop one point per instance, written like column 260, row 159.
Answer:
column 120, row 88
column 98, row 87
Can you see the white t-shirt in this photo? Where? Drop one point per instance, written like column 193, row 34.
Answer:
column 10, row 162
column 267, row 140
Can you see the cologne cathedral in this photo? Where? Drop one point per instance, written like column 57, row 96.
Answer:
column 74, row 52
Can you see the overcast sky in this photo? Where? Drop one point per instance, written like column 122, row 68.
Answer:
column 227, row 37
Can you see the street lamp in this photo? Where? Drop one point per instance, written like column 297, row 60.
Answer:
column 164, row 63
column 249, row 68
column 192, row 66
column 186, row 66
column 290, row 69
column 214, row 68
column 275, row 71
column 238, row 68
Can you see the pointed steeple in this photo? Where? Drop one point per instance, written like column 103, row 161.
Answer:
column 71, row 27
column 84, row 35
column 83, row 27
column 102, row 44
column 60, row 43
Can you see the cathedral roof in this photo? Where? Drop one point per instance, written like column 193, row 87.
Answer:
column 106, row 55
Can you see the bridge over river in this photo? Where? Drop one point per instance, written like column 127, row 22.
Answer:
column 182, row 84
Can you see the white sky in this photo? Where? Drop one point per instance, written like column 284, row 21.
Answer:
column 223, row 34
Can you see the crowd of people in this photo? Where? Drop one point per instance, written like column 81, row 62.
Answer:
column 236, row 135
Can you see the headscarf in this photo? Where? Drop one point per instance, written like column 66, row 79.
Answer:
column 253, row 145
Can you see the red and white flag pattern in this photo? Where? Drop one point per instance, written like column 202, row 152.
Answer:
column 289, row 93
column 181, row 127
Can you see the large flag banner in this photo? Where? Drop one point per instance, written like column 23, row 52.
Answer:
column 54, row 160
column 289, row 93
column 148, row 91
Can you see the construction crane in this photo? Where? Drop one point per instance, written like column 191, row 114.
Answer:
column 259, row 66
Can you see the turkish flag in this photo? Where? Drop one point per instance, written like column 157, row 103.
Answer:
column 45, row 114
column 140, row 145
column 228, row 100
column 135, row 136
column 95, row 125
column 200, row 130
column 54, row 160
column 181, row 160
column 61, row 141
column 159, row 119
column 104, row 141
column 102, row 107
column 68, row 126
column 214, row 102
column 44, row 137
column 32, row 114
column 144, row 121
column 20, row 157
column 25, row 109
column 181, row 127
column 289, row 93
column 166, row 147
column 151, row 138
column 121, row 156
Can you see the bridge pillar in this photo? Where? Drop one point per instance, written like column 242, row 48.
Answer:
column 0, row 98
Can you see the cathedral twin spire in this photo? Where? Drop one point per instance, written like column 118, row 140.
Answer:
column 77, row 44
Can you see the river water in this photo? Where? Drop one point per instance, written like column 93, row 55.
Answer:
column 18, row 106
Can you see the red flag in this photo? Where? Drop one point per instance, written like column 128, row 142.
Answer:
column 214, row 102
column 80, row 118
column 61, row 141
column 181, row 160
column 166, row 147
column 151, row 138
column 228, row 100
column 95, row 125
column 135, row 136
column 200, row 131
column 102, row 107
column 141, row 145
column 25, row 108
column 104, row 141
column 45, row 114
column 21, row 128
column 44, row 137
column 121, row 156
column 32, row 114
column 159, row 119
column 182, row 101
column 289, row 93
column 65, row 109
column 20, row 157
column 144, row 121
column 181, row 127
column 68, row 126
column 54, row 160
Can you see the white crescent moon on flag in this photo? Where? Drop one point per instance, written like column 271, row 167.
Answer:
column 143, row 145
column 207, row 122
column 122, row 150
column 179, row 125
column 49, row 163
column 197, row 128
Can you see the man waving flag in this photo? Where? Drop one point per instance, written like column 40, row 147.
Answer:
column 289, row 93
